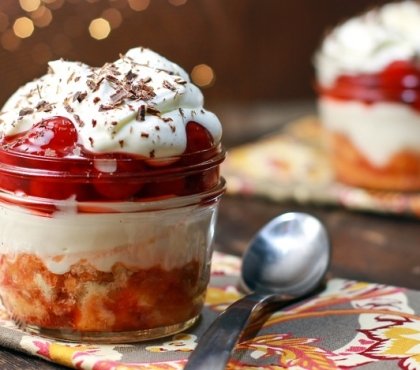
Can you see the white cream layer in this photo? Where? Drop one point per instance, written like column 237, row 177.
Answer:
column 169, row 238
column 370, row 42
column 139, row 104
column 378, row 131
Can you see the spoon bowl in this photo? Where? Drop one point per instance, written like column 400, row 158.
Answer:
column 286, row 261
column 289, row 255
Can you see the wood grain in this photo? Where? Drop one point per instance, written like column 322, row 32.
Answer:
column 368, row 247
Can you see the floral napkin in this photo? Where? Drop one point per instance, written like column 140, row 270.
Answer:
column 293, row 164
column 349, row 325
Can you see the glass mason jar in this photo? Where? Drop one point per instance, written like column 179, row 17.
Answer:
column 107, row 249
column 372, row 123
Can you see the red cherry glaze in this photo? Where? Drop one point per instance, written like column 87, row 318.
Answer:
column 165, row 188
column 45, row 188
column 117, row 188
column 54, row 137
column 198, row 138
column 399, row 82
column 110, row 176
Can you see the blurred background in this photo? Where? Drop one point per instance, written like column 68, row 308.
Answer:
column 241, row 52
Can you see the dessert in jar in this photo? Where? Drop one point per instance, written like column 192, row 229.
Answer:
column 368, row 79
column 109, row 188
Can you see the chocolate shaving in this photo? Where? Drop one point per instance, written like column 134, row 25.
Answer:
column 78, row 120
column 144, row 134
column 94, row 122
column 70, row 78
column 77, row 79
column 39, row 91
column 141, row 113
column 68, row 108
column 94, row 85
column 91, row 141
column 121, row 142
column 91, row 84
column 153, row 111
column 79, row 96
column 96, row 100
column 25, row 111
column 173, row 128
column 119, row 96
column 43, row 106
column 181, row 112
column 112, row 79
column 167, row 119
column 152, row 154
column 180, row 81
column 104, row 107
column 141, row 90
column 157, row 128
column 167, row 85
column 130, row 76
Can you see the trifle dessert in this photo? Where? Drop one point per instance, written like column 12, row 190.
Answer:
column 109, row 188
column 368, row 79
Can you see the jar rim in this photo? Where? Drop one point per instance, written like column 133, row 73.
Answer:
column 25, row 164
column 40, row 205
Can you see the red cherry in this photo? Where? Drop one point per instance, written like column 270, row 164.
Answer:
column 400, row 74
column 109, row 185
column 399, row 82
column 56, row 137
column 52, row 189
column 166, row 188
column 198, row 138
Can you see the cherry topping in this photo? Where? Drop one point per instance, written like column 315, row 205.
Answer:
column 198, row 138
column 53, row 137
column 108, row 168
column 110, row 176
column 398, row 82
column 400, row 74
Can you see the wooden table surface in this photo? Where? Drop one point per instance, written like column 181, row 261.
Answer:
column 369, row 247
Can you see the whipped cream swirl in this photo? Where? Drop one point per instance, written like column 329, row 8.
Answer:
column 370, row 42
column 140, row 104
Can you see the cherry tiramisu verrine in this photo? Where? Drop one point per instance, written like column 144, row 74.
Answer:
column 368, row 71
column 109, row 187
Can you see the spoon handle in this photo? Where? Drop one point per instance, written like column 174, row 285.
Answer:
column 215, row 346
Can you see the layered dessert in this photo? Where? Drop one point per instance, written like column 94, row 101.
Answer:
column 109, row 186
column 368, row 79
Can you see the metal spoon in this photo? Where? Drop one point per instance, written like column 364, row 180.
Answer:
column 285, row 262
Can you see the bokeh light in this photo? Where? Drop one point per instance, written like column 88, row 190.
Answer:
column 42, row 17
column 203, row 75
column 30, row 5
column 99, row 28
column 55, row 4
column 113, row 16
column 177, row 2
column 138, row 5
column 9, row 41
column 23, row 27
